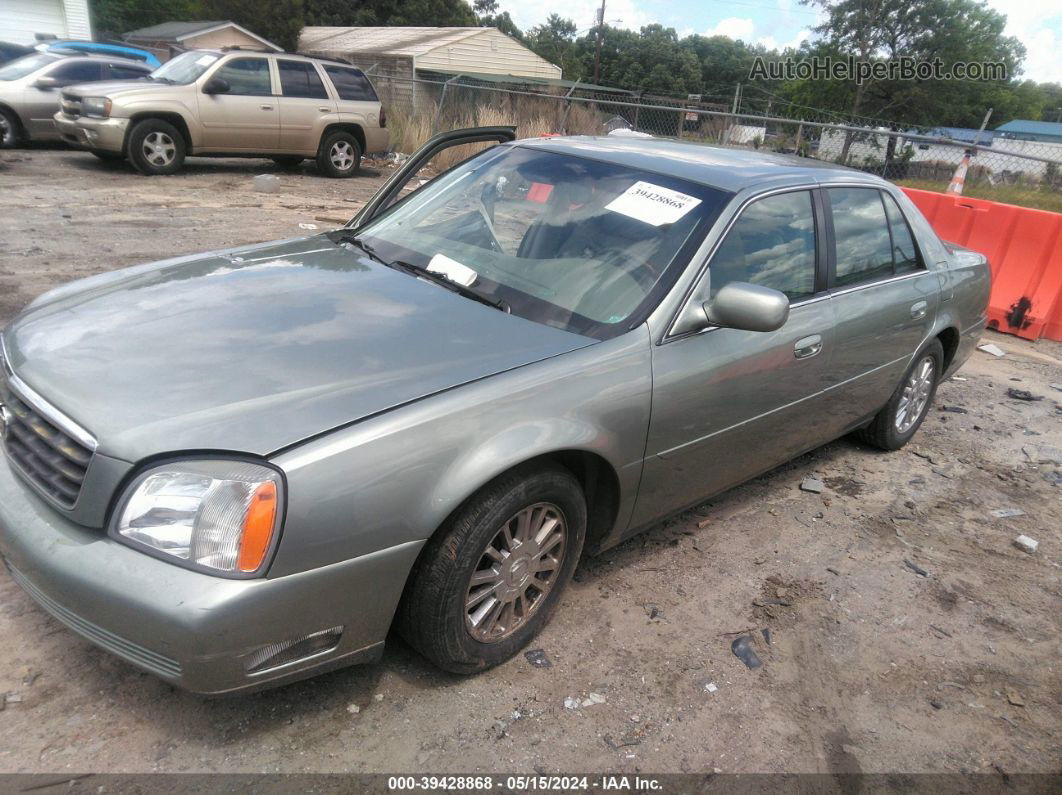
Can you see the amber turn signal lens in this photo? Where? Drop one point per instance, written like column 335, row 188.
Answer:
column 258, row 527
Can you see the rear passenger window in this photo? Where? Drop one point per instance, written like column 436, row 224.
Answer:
column 861, row 234
column 772, row 244
column 904, row 252
column 351, row 84
column 300, row 79
column 77, row 72
column 247, row 76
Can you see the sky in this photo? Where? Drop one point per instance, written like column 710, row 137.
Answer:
column 780, row 23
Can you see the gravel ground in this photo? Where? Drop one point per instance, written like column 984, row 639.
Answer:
column 870, row 666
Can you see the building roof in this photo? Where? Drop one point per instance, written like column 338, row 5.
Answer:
column 384, row 41
column 1028, row 127
column 178, row 32
column 717, row 166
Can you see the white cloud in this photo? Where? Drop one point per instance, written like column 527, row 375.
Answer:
column 771, row 43
column 734, row 27
column 1038, row 25
column 618, row 13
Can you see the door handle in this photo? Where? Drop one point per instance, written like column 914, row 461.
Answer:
column 325, row 110
column 808, row 346
column 919, row 309
column 266, row 107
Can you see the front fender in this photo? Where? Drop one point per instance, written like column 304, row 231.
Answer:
column 396, row 477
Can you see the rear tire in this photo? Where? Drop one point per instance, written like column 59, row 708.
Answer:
column 478, row 593
column 287, row 161
column 339, row 155
column 902, row 416
column 156, row 147
column 10, row 129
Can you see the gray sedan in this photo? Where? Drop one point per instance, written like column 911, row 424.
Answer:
column 240, row 468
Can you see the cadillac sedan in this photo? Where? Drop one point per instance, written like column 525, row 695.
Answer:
column 240, row 468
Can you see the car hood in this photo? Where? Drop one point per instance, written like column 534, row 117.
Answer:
column 111, row 88
column 256, row 349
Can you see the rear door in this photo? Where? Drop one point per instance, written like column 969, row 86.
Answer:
column 728, row 404
column 883, row 298
column 304, row 105
column 245, row 118
column 41, row 104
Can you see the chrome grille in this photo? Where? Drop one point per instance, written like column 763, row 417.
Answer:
column 49, row 456
column 70, row 105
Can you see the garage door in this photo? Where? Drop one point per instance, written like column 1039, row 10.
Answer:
column 20, row 19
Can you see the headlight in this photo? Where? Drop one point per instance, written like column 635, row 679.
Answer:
column 96, row 106
column 220, row 516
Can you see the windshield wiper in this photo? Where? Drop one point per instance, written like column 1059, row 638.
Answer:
column 345, row 235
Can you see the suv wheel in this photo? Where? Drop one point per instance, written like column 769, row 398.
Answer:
column 486, row 583
column 339, row 155
column 10, row 129
column 156, row 147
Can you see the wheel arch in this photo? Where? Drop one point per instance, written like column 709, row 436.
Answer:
column 171, row 117
column 20, row 130
column 343, row 126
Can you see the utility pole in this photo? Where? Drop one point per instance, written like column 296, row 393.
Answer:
column 600, row 35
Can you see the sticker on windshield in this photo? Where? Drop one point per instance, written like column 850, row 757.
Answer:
column 652, row 204
column 205, row 60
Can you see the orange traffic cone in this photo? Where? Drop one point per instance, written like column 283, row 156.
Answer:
column 958, row 179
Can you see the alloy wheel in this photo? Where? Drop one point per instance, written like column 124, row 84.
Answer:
column 342, row 155
column 515, row 572
column 7, row 131
column 915, row 395
column 159, row 149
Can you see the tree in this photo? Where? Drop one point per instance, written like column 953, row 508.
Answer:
column 388, row 12
column 554, row 40
column 113, row 18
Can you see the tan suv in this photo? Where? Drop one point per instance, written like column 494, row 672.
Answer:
column 226, row 103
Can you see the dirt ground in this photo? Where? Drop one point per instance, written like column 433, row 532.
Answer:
column 907, row 633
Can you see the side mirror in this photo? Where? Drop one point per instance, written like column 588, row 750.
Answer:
column 217, row 85
column 748, row 307
column 46, row 83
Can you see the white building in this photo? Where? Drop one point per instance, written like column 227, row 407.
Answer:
column 22, row 20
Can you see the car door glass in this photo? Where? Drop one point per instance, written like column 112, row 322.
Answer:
column 351, row 84
column 861, row 235
column 80, row 72
column 772, row 243
column 126, row 72
column 247, row 77
column 299, row 79
column 904, row 252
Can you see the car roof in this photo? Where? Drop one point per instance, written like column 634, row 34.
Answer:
column 717, row 166
column 297, row 55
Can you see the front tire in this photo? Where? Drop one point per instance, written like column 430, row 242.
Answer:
column 10, row 129
column 487, row 582
column 339, row 155
column 902, row 416
column 156, row 147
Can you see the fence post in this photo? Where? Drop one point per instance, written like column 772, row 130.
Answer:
column 439, row 107
column 799, row 136
column 567, row 108
column 637, row 109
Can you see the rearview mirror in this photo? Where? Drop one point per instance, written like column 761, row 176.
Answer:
column 46, row 83
column 216, row 85
column 749, row 307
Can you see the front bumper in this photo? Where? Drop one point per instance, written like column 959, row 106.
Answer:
column 196, row 631
column 105, row 135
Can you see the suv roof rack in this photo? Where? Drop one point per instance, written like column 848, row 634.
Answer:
column 329, row 58
column 243, row 48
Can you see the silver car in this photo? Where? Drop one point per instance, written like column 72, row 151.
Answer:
column 240, row 468
column 30, row 90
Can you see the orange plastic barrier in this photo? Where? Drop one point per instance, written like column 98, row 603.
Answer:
column 1024, row 249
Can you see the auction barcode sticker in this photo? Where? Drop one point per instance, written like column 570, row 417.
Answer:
column 652, row 204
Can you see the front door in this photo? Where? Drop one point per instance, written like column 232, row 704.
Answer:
column 41, row 104
column 729, row 404
column 244, row 118
column 883, row 299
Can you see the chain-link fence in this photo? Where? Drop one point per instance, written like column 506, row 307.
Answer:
column 1005, row 169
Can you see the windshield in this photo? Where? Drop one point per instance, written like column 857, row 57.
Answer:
column 26, row 65
column 185, row 68
column 577, row 244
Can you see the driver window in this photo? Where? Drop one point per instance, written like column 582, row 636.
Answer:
column 772, row 244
